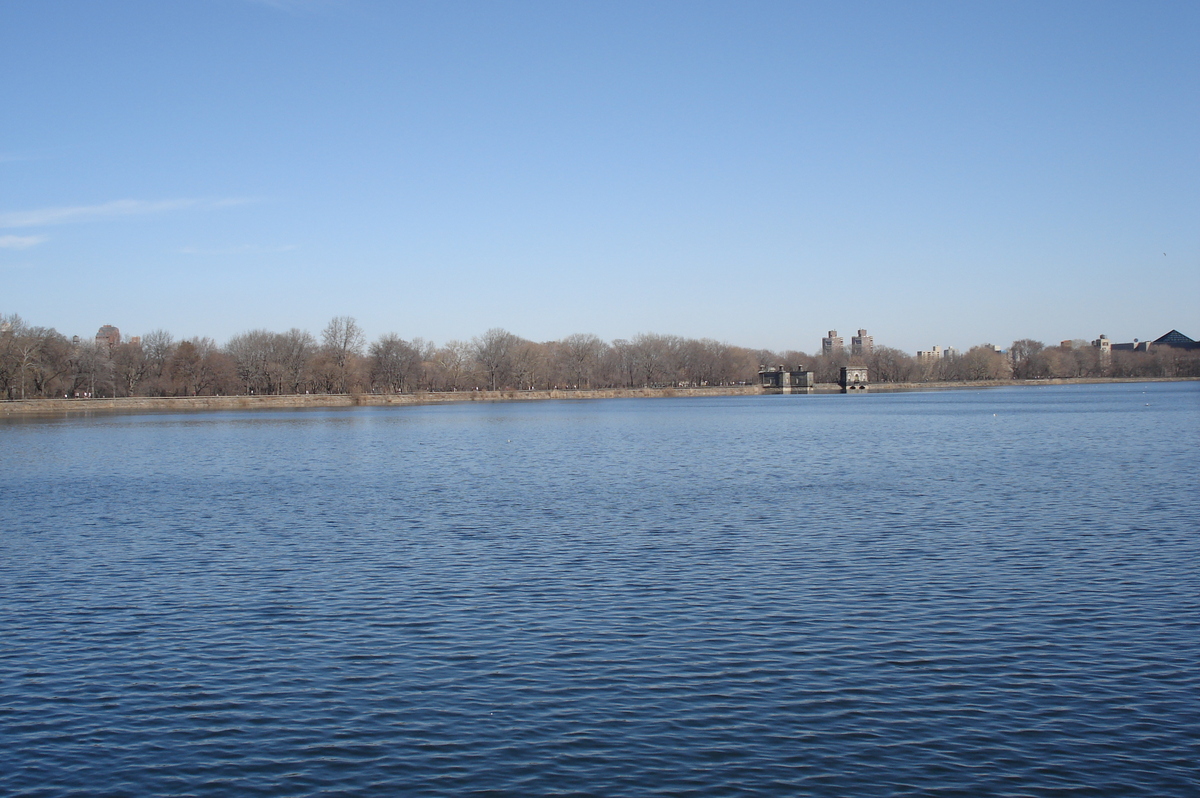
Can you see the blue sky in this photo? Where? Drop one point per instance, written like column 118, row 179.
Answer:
column 757, row 172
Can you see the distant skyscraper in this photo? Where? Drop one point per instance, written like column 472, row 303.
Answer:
column 1105, row 346
column 929, row 355
column 861, row 344
column 832, row 344
column 108, row 335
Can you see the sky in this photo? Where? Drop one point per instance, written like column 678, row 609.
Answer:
column 948, row 173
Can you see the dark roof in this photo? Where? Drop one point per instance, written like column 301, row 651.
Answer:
column 1177, row 339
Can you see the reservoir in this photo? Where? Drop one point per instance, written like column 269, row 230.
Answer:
column 960, row 593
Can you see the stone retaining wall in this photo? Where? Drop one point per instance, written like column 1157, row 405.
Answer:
column 159, row 404
column 179, row 404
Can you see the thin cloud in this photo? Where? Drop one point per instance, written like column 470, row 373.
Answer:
column 20, row 242
column 26, row 156
column 233, row 202
column 108, row 210
column 297, row 6
column 245, row 249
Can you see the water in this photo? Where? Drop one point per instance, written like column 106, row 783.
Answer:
column 961, row 593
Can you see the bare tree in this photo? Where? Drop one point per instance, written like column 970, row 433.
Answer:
column 91, row 366
column 622, row 362
column 494, row 351
column 24, row 344
column 425, row 372
column 8, row 359
column 252, row 354
column 185, row 368
column 129, row 365
column 885, row 364
column 395, row 364
column 451, row 364
column 826, row 368
column 530, row 364
column 53, row 364
column 704, row 361
column 158, row 346
column 1023, row 354
column 198, row 366
column 581, row 354
column 983, row 363
column 656, row 358
column 342, row 345
column 291, row 355
column 21, row 352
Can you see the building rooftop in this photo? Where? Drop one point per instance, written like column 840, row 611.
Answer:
column 1177, row 339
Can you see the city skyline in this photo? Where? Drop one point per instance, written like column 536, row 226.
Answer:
column 950, row 175
column 862, row 343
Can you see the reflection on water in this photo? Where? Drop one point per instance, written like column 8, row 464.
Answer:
column 975, row 592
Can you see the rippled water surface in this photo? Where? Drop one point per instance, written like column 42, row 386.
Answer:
column 962, row 593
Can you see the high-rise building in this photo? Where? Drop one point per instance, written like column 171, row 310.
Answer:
column 1105, row 346
column 861, row 344
column 832, row 344
column 929, row 355
column 109, row 336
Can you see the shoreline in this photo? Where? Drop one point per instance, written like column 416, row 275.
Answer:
column 13, row 408
column 186, row 404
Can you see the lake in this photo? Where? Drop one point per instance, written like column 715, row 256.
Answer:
column 961, row 593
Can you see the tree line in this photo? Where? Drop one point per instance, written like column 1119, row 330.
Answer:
column 41, row 362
